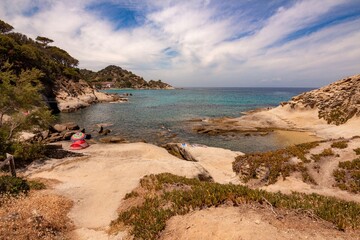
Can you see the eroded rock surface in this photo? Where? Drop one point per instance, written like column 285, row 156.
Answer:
column 71, row 95
column 336, row 102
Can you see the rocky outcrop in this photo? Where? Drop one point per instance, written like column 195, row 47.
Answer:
column 179, row 150
column 114, row 76
column 56, row 133
column 336, row 103
column 73, row 95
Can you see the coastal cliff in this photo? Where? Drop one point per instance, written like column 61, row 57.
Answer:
column 336, row 103
column 71, row 96
column 116, row 77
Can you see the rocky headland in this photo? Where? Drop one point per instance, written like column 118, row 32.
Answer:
column 71, row 96
column 116, row 77
column 336, row 103
column 329, row 112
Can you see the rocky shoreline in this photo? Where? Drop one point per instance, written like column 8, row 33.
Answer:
column 329, row 112
column 71, row 96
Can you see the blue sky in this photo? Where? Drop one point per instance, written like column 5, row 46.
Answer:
column 233, row 43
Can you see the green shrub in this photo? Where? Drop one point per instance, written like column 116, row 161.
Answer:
column 340, row 144
column 357, row 151
column 275, row 162
column 35, row 185
column 325, row 153
column 25, row 153
column 347, row 176
column 13, row 185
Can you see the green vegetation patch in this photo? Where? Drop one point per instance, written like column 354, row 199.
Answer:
column 168, row 195
column 36, row 185
column 325, row 153
column 347, row 176
column 357, row 151
column 13, row 185
column 340, row 144
column 270, row 165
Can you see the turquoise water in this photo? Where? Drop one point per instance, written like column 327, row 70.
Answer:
column 160, row 116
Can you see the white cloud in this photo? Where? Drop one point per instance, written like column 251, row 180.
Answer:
column 199, row 38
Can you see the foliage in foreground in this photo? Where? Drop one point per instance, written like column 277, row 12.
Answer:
column 21, row 109
column 169, row 195
column 347, row 176
column 13, row 185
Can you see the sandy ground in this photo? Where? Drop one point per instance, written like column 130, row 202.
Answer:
column 217, row 162
column 98, row 181
column 249, row 223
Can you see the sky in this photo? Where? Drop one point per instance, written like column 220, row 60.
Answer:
column 202, row 43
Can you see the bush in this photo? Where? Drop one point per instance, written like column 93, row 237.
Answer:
column 347, row 176
column 357, row 151
column 275, row 163
column 340, row 144
column 25, row 153
column 13, row 185
column 325, row 153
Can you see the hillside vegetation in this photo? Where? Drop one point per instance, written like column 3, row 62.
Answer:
column 120, row 78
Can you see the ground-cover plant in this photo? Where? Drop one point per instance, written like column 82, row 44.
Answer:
column 16, row 185
column 325, row 153
column 276, row 163
column 168, row 195
column 357, row 151
column 13, row 185
column 340, row 144
column 347, row 176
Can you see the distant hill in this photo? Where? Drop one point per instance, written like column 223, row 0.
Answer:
column 337, row 102
column 116, row 77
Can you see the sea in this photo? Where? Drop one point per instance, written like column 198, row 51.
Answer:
column 162, row 116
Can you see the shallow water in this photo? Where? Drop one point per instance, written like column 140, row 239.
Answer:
column 160, row 116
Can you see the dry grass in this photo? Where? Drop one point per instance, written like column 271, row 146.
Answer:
column 38, row 215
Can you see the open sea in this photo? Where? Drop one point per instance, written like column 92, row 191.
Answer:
column 160, row 116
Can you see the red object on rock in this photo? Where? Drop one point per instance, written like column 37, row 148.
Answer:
column 78, row 145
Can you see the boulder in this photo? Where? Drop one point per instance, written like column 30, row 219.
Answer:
column 179, row 150
column 113, row 139
column 59, row 127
